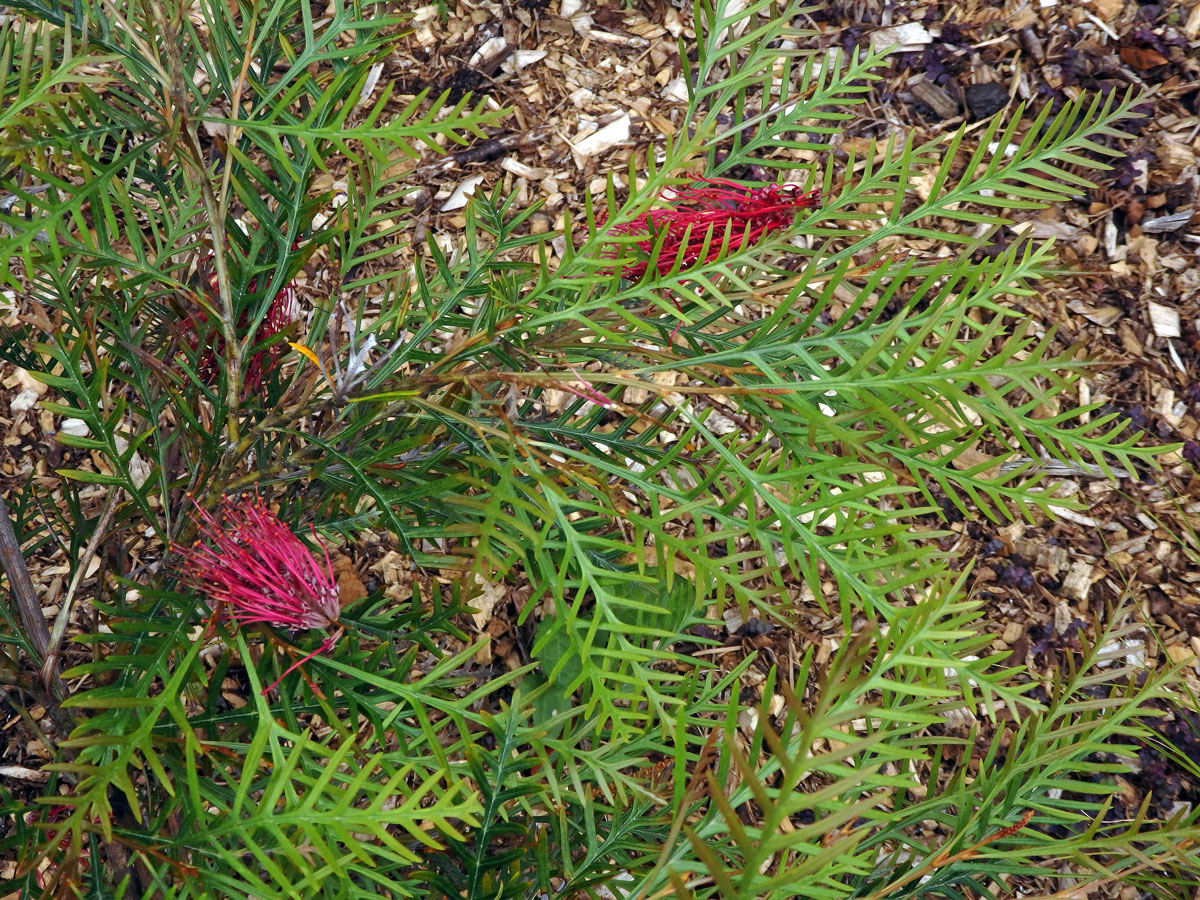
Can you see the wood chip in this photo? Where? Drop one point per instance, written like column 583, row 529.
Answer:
column 462, row 193
column 676, row 90
column 1078, row 582
column 486, row 600
column 600, row 142
column 1178, row 653
column 368, row 87
column 1192, row 27
column 1163, row 224
column 1104, row 315
column 521, row 59
column 909, row 36
column 350, row 587
column 1164, row 320
column 22, row 773
column 935, row 98
column 518, row 168
column 490, row 49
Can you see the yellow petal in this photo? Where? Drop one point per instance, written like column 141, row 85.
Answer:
column 312, row 357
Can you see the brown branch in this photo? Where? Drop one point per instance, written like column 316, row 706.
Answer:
column 945, row 859
column 24, row 595
column 176, row 104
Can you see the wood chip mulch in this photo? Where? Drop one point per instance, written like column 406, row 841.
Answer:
column 590, row 85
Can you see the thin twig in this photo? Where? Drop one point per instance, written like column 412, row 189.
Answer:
column 62, row 545
column 692, row 793
column 50, row 664
column 1087, row 888
column 234, row 131
column 942, row 859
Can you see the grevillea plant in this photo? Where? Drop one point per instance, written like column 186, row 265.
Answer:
column 710, row 396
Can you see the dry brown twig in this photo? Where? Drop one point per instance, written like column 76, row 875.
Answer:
column 50, row 668
column 29, row 608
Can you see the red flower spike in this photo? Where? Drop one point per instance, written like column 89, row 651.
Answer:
column 717, row 208
column 252, row 567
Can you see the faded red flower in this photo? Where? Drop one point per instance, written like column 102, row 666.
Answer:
column 283, row 311
column 717, row 208
column 251, row 564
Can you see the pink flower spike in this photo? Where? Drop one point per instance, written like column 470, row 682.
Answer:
column 251, row 565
